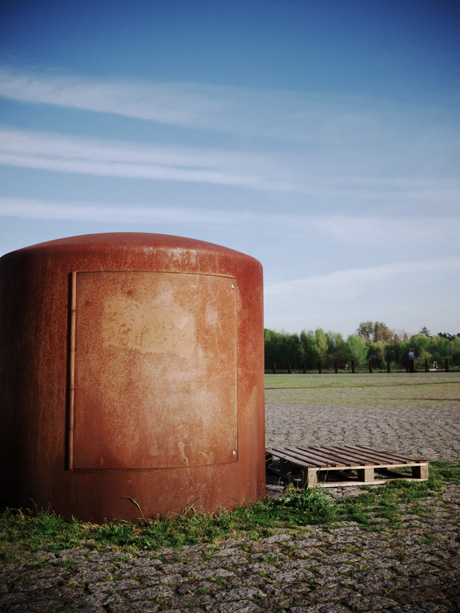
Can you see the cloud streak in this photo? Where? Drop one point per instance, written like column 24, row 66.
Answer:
column 317, row 120
column 369, row 232
column 354, row 278
column 234, row 110
column 94, row 212
column 60, row 153
column 245, row 169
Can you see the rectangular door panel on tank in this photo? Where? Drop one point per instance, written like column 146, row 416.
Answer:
column 154, row 370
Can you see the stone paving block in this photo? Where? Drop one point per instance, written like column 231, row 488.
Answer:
column 198, row 587
column 454, row 563
column 332, row 594
column 291, row 594
column 86, row 609
column 42, row 573
column 308, row 542
column 104, row 586
column 148, row 593
column 241, row 606
column 261, row 567
column 343, row 558
column 74, row 555
column 422, row 608
column 245, row 593
column 233, row 560
column 321, row 608
column 38, row 606
column 295, row 563
column 97, row 599
column 270, row 555
column 11, row 599
column 209, row 573
column 138, row 571
column 369, row 603
column 290, row 576
column 92, row 576
column 245, row 580
column 138, row 606
column 187, row 610
column 203, row 601
column 279, row 538
column 226, row 551
column 172, row 579
column 430, row 580
column 381, row 586
column 332, row 575
column 41, row 584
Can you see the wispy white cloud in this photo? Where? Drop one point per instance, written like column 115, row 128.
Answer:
column 376, row 233
column 346, row 123
column 197, row 105
column 93, row 212
column 425, row 232
column 173, row 103
column 359, row 279
column 251, row 170
column 59, row 153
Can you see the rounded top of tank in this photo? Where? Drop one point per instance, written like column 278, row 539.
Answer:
column 131, row 249
column 122, row 240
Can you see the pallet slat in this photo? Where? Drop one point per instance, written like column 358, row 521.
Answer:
column 382, row 456
column 345, row 455
column 316, row 458
column 392, row 453
column 374, row 458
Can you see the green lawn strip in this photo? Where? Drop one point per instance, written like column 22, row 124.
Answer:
column 43, row 530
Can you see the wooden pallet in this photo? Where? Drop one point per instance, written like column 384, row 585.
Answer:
column 345, row 465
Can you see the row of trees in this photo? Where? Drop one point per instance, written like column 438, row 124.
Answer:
column 372, row 341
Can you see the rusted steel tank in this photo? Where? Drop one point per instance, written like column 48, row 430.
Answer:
column 131, row 366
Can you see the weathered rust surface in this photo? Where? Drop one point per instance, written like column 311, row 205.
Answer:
column 131, row 365
column 155, row 370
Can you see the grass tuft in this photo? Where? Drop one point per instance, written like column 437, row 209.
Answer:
column 33, row 530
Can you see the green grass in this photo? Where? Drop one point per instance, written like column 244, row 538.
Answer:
column 361, row 379
column 43, row 530
column 352, row 391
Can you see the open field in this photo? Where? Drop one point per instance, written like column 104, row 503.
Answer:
column 415, row 414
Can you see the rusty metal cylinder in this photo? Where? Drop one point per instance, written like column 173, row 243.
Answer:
column 132, row 365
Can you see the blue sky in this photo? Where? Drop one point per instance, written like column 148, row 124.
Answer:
column 321, row 137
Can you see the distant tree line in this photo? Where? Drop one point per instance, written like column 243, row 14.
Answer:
column 373, row 341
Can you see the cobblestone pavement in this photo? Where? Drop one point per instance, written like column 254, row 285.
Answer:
column 411, row 566
column 412, row 414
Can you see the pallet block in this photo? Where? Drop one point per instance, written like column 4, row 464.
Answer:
column 354, row 464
